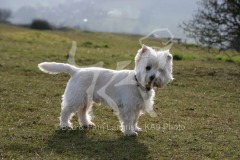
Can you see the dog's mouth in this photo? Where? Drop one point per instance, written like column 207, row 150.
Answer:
column 158, row 85
column 153, row 84
column 148, row 87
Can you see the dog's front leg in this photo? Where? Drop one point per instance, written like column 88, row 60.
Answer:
column 128, row 120
column 135, row 122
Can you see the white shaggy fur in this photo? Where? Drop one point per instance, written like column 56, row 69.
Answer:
column 128, row 92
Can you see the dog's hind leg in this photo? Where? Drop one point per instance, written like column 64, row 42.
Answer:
column 65, row 117
column 84, row 116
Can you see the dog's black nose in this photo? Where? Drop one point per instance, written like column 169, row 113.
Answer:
column 152, row 77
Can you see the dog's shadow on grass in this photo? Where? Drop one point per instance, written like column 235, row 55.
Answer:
column 78, row 144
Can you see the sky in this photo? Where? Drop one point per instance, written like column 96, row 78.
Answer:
column 122, row 16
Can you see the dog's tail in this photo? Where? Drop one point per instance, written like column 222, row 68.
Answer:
column 55, row 68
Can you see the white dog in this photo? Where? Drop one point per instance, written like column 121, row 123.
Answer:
column 128, row 92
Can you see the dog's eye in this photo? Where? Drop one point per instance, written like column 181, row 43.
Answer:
column 148, row 68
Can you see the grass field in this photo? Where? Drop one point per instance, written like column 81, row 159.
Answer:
column 198, row 113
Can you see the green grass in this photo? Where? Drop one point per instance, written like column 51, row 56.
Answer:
column 183, row 56
column 198, row 113
column 235, row 58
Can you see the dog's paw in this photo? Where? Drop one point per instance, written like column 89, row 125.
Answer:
column 137, row 129
column 88, row 125
column 64, row 128
column 130, row 133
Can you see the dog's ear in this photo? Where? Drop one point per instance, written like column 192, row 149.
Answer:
column 144, row 49
column 169, row 57
column 141, row 52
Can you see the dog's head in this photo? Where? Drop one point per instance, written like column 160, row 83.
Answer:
column 153, row 68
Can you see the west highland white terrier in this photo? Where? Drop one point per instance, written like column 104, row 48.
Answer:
column 129, row 92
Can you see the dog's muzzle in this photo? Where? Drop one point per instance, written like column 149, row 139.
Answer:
column 158, row 85
column 152, row 84
column 147, row 87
